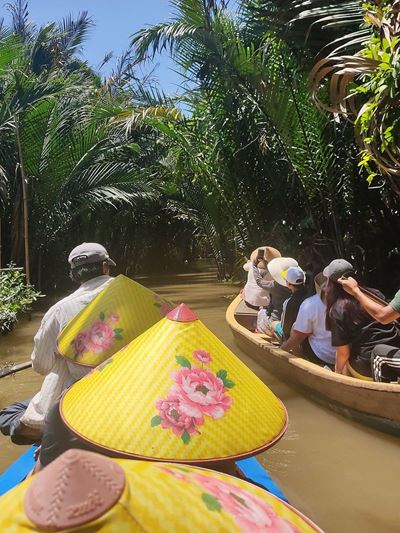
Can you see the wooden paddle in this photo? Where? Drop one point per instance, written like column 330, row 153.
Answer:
column 378, row 300
column 12, row 369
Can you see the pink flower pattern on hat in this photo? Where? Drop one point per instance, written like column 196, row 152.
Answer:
column 99, row 337
column 251, row 513
column 202, row 356
column 196, row 393
column 200, row 393
column 174, row 418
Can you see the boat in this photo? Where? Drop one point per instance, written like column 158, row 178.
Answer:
column 18, row 470
column 249, row 469
column 374, row 404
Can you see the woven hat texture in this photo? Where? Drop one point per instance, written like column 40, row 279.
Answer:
column 175, row 393
column 120, row 312
column 157, row 498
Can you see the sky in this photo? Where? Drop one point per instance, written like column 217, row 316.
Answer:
column 115, row 21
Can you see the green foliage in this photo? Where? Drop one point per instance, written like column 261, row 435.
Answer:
column 242, row 158
column 15, row 297
column 255, row 161
column 365, row 88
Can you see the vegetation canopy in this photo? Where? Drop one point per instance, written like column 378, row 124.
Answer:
column 284, row 132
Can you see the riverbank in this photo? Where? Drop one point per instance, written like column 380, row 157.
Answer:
column 342, row 475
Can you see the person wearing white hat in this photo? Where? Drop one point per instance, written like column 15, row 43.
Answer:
column 277, row 289
column 24, row 421
column 295, row 279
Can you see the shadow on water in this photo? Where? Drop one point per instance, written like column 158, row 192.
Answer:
column 341, row 474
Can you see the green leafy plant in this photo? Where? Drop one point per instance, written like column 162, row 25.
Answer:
column 15, row 296
column 365, row 88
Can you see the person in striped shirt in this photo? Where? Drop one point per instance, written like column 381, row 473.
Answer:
column 24, row 421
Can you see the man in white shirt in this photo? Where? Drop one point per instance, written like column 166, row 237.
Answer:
column 24, row 421
column 309, row 335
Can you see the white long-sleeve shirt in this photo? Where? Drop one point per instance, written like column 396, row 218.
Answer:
column 252, row 293
column 60, row 373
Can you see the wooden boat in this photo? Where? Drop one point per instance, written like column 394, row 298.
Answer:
column 374, row 404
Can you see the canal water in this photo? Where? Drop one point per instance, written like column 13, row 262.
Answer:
column 342, row 475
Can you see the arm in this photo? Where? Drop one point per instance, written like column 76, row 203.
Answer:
column 294, row 341
column 383, row 314
column 45, row 344
column 261, row 282
column 342, row 356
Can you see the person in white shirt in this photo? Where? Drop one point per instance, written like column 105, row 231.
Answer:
column 254, row 295
column 309, row 335
column 24, row 421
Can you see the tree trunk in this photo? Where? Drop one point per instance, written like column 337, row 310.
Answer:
column 17, row 245
column 24, row 203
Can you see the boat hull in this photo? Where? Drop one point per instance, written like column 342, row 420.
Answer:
column 374, row 404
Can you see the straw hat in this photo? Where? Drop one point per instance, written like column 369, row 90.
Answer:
column 278, row 267
column 269, row 253
column 120, row 312
column 176, row 393
column 90, row 492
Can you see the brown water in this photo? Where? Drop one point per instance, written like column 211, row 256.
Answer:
column 342, row 475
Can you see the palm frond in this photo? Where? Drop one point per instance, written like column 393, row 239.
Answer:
column 72, row 33
column 20, row 23
column 304, row 24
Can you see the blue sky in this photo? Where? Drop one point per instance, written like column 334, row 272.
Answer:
column 115, row 21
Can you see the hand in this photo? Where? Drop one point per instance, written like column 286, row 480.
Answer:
column 349, row 285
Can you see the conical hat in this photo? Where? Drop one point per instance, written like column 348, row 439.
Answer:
column 278, row 267
column 175, row 393
column 269, row 253
column 92, row 493
column 122, row 311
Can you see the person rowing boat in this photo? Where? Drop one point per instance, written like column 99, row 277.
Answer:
column 385, row 358
column 24, row 421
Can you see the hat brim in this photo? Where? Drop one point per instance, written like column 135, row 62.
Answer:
column 335, row 276
column 278, row 266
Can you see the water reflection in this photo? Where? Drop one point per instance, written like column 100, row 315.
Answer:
column 341, row 474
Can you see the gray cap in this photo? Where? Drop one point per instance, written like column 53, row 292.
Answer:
column 87, row 253
column 338, row 268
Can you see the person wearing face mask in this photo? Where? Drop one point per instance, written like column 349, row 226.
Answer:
column 309, row 336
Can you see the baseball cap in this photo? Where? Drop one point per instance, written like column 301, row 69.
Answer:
column 337, row 268
column 87, row 253
column 295, row 275
column 278, row 267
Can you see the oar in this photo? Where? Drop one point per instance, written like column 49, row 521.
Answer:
column 373, row 296
column 7, row 370
column 377, row 299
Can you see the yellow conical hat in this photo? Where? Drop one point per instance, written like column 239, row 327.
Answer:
column 175, row 393
column 122, row 311
column 124, row 496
